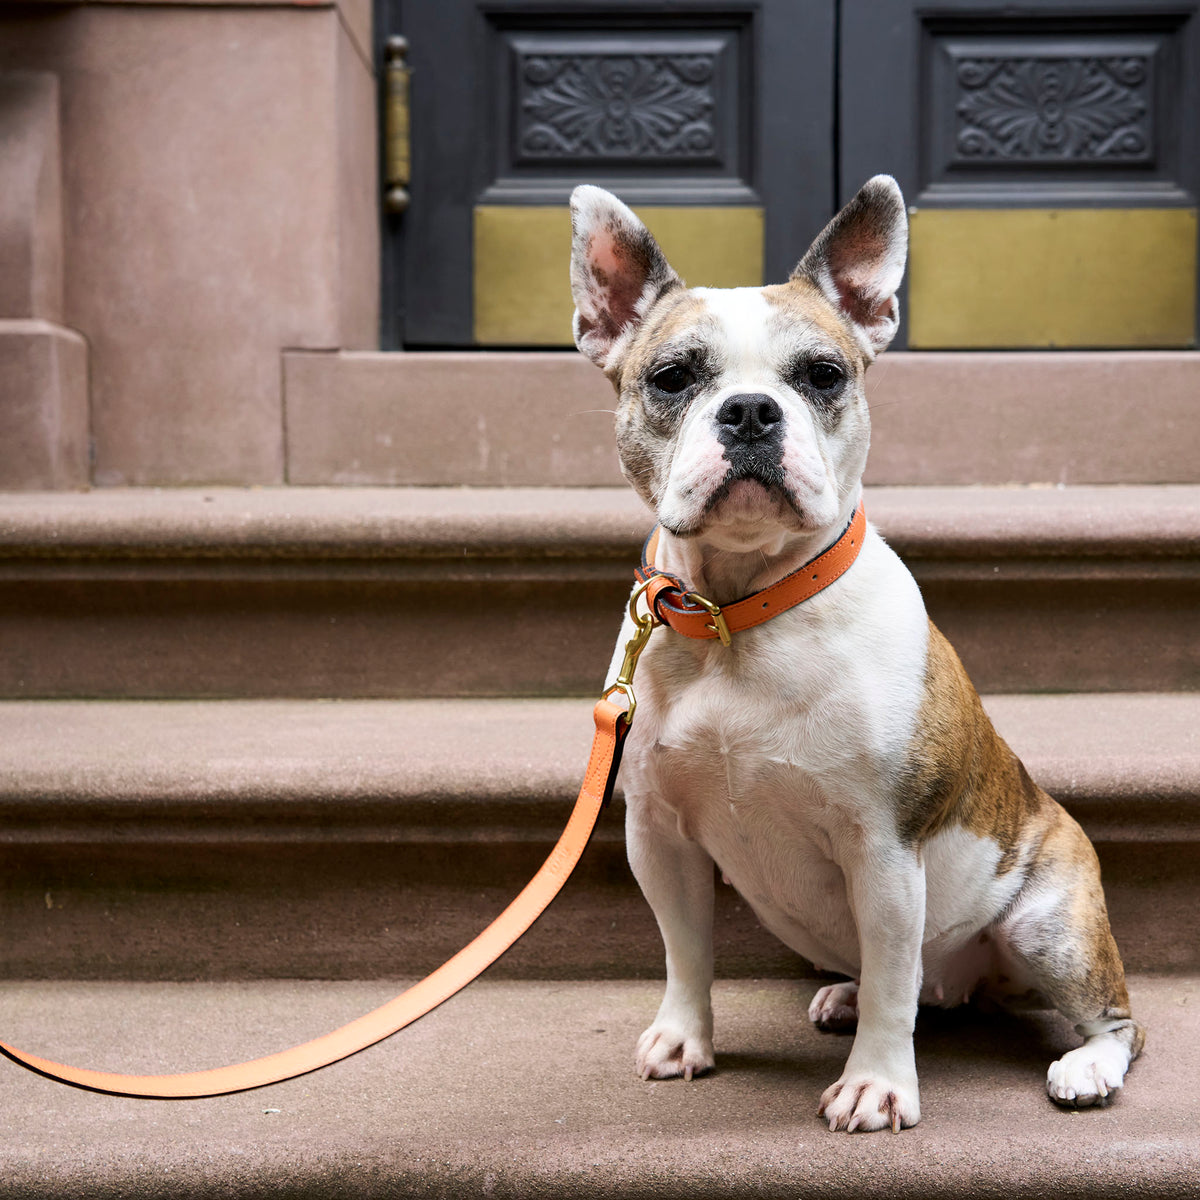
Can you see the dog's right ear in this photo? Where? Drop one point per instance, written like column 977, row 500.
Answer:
column 617, row 273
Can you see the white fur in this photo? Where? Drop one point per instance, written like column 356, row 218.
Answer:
column 835, row 1004
column 775, row 757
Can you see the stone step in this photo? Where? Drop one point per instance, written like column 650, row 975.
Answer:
column 345, row 839
column 376, row 592
column 545, row 418
column 526, row 1089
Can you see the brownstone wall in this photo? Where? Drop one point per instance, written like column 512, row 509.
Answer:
column 196, row 193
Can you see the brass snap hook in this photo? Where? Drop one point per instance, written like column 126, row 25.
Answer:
column 644, row 625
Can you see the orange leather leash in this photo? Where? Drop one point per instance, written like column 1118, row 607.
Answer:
column 611, row 728
column 669, row 603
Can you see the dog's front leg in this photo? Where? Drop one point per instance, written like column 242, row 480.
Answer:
column 878, row 1088
column 676, row 876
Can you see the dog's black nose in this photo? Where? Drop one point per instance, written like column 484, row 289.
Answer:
column 748, row 417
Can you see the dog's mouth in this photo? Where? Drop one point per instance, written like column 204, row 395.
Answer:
column 745, row 477
column 752, row 490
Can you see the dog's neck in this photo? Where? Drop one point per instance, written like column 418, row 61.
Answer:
column 724, row 567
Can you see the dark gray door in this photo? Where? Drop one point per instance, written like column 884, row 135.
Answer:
column 1051, row 155
column 715, row 120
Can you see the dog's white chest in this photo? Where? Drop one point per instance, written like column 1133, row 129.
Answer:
column 775, row 763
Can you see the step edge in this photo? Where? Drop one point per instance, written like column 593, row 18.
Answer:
column 1147, row 520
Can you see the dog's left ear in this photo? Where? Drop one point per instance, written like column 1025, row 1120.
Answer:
column 617, row 272
column 858, row 261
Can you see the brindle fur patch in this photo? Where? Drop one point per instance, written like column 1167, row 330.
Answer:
column 960, row 772
column 1069, row 950
column 645, row 450
column 670, row 317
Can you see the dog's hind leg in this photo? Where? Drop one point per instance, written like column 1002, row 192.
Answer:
column 1057, row 936
column 834, row 1009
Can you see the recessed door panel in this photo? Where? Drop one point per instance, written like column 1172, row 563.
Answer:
column 714, row 121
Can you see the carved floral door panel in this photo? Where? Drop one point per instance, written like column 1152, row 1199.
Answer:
column 713, row 119
column 1050, row 153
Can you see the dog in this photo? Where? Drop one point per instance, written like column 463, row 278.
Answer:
column 833, row 763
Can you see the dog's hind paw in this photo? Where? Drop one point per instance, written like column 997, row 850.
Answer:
column 1088, row 1076
column 665, row 1051
column 865, row 1103
column 834, row 1009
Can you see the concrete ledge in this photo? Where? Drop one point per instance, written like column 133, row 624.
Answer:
column 44, row 417
column 246, row 840
column 498, row 419
column 1060, row 417
column 545, row 419
column 516, row 1090
column 930, row 523
column 324, row 522
column 465, row 769
column 31, row 226
column 378, row 592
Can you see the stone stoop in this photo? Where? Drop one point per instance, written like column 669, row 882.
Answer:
column 361, row 839
column 526, row 1089
column 296, row 741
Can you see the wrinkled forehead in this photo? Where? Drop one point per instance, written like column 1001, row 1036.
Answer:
column 742, row 328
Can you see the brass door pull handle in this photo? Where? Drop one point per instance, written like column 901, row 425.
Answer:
column 397, row 146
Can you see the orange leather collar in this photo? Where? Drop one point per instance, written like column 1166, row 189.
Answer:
column 672, row 603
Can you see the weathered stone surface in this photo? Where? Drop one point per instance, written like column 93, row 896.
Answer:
column 545, row 419
column 31, row 230
column 250, row 839
column 43, row 406
column 457, row 591
column 527, row 1090
column 212, row 218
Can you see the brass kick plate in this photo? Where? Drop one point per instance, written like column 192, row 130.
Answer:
column 522, row 254
column 1026, row 277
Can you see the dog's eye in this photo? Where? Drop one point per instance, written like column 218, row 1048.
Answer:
column 824, row 375
column 673, row 379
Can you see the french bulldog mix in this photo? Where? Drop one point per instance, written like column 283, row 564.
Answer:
column 834, row 762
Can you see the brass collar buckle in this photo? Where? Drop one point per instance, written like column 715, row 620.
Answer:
column 719, row 627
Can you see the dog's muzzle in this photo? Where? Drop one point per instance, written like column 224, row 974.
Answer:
column 750, row 430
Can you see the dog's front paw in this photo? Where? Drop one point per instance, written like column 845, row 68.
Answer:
column 834, row 1009
column 867, row 1102
column 667, row 1049
column 1087, row 1076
